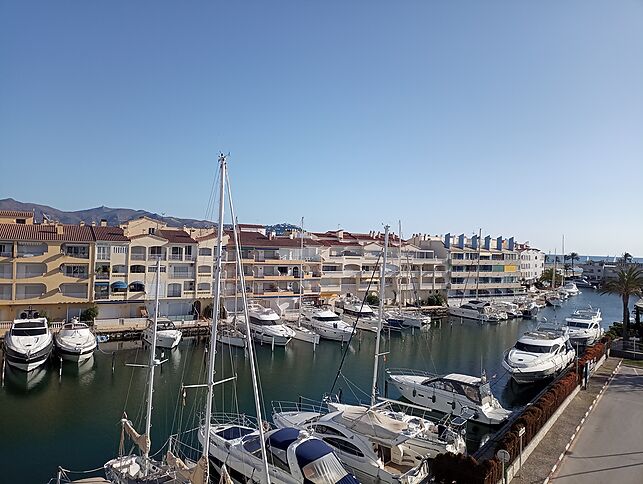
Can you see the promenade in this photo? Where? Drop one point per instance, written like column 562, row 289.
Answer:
column 609, row 446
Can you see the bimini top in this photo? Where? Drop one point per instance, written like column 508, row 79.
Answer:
column 467, row 379
column 282, row 438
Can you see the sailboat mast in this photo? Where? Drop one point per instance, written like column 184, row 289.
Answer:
column 478, row 269
column 553, row 274
column 216, row 308
column 251, row 350
column 562, row 283
column 380, row 318
column 301, row 272
column 150, row 380
column 399, row 266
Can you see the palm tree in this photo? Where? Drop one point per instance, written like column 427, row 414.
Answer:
column 573, row 256
column 628, row 282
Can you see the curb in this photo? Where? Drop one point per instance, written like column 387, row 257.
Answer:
column 582, row 421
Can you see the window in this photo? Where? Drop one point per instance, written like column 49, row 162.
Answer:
column 151, row 231
column 137, row 269
column 81, row 251
column 102, row 252
column 174, row 290
column 77, row 271
column 343, row 446
column 204, row 286
column 21, row 221
column 153, row 269
column 205, row 251
column 324, row 429
column 119, row 249
column 188, row 286
column 205, row 269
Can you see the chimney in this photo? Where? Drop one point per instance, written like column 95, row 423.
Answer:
column 93, row 223
column 447, row 240
column 59, row 229
column 103, row 222
column 82, row 223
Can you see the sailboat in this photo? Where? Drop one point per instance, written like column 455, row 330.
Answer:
column 375, row 442
column 141, row 468
column 241, row 444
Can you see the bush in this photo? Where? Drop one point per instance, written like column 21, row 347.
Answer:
column 89, row 314
column 372, row 300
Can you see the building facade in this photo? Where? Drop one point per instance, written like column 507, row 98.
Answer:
column 482, row 268
column 532, row 263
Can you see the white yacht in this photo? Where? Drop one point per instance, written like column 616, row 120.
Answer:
column 450, row 394
column 554, row 299
column 28, row 343
column 328, row 325
column 75, row 341
column 584, row 326
column 266, row 326
column 409, row 319
column 539, row 354
column 353, row 309
column 571, row 289
column 167, row 334
column 229, row 335
column 528, row 308
column 374, row 443
column 294, row 456
column 510, row 309
column 477, row 310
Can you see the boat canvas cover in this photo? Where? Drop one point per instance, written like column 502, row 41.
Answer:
column 142, row 440
column 195, row 474
column 368, row 422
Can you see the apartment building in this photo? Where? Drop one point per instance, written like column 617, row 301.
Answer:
column 482, row 267
column 276, row 270
column 532, row 263
column 351, row 261
column 45, row 266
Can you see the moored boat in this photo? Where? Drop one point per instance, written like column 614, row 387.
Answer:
column 28, row 343
column 75, row 341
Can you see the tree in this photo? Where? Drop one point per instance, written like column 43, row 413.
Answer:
column 573, row 256
column 372, row 300
column 547, row 276
column 628, row 282
column 89, row 314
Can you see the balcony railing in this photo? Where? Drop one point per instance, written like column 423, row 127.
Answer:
column 6, row 253
column 174, row 294
column 176, row 256
column 137, row 257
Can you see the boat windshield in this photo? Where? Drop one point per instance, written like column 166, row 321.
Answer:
column 532, row 348
column 165, row 325
column 263, row 322
column 326, row 469
column 28, row 331
column 327, row 318
column 577, row 324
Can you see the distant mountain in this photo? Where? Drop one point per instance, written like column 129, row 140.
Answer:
column 114, row 216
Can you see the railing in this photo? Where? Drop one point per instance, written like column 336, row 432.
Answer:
column 176, row 256
column 137, row 257
column 6, row 254
column 174, row 294
column 181, row 275
column 101, row 276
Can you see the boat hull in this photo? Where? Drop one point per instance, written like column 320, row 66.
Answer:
column 167, row 341
column 27, row 362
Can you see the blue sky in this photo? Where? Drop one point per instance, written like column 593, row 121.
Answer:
column 523, row 118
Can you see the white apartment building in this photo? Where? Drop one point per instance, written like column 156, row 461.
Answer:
column 496, row 273
column 276, row 270
column 532, row 263
column 351, row 265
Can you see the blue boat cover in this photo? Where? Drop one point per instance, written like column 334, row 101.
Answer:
column 282, row 438
column 311, row 450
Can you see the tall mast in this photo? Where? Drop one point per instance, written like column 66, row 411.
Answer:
column 553, row 274
column 562, row 283
column 251, row 351
column 380, row 318
column 478, row 269
column 301, row 271
column 399, row 265
column 216, row 309
column 150, row 380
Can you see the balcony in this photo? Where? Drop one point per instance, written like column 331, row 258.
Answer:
column 6, row 253
column 76, row 251
column 137, row 257
column 181, row 275
column 31, row 250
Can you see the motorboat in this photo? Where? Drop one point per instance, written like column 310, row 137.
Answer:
column 377, row 444
column 554, row 299
column 510, row 309
column 228, row 334
column 353, row 309
column 167, row 334
column 539, row 354
column 408, row 319
column 581, row 282
column 481, row 311
column 294, row 456
column 571, row 289
column 75, row 341
column 529, row 309
column 302, row 333
column 266, row 326
column 584, row 326
column 28, row 343
column 327, row 324
column 451, row 394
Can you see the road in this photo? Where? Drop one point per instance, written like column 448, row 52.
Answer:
column 609, row 446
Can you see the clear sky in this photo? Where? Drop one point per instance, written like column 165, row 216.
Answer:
column 524, row 118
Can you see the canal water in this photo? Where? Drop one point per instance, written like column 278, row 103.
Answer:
column 72, row 420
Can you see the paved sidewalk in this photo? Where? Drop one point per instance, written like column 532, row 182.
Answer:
column 609, row 446
column 539, row 464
